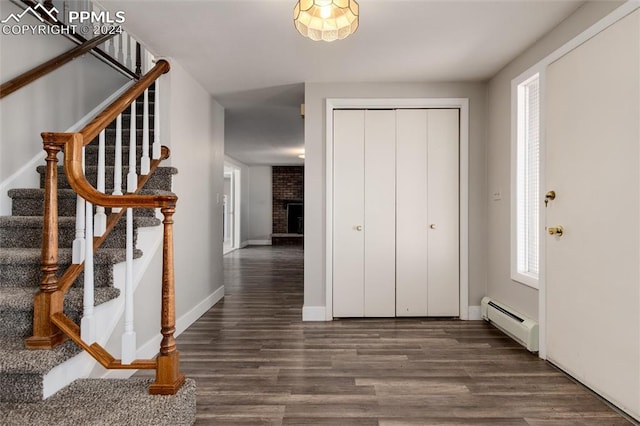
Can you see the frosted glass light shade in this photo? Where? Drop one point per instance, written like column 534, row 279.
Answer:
column 326, row 20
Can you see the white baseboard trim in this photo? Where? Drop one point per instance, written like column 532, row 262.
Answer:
column 197, row 311
column 313, row 313
column 259, row 242
column 150, row 348
column 475, row 314
column 244, row 244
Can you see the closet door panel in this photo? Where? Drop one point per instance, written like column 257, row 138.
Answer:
column 379, row 213
column 443, row 213
column 348, row 213
column 411, row 213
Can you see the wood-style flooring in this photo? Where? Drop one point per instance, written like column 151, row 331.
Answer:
column 256, row 363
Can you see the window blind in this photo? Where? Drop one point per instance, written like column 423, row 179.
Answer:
column 528, row 200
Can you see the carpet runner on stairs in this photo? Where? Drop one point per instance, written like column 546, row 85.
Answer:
column 22, row 370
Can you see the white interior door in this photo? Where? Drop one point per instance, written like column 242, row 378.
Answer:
column 348, row 213
column 380, row 213
column 427, row 235
column 412, row 227
column 443, row 217
column 592, row 163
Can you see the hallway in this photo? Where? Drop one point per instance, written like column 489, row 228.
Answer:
column 256, row 363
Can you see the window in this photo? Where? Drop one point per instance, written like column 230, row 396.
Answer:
column 527, row 182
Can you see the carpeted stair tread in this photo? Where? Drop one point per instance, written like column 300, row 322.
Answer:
column 30, row 201
column 107, row 402
column 16, row 307
column 15, row 358
column 14, row 255
column 21, row 298
column 64, row 221
column 160, row 179
column 26, row 231
column 20, row 267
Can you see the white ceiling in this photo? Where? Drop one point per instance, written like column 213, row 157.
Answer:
column 249, row 56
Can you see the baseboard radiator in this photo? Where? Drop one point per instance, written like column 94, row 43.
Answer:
column 522, row 329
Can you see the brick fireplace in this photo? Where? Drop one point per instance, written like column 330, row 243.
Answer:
column 288, row 205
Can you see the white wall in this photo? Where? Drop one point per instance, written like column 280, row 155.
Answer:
column 499, row 283
column 315, row 95
column 260, row 205
column 52, row 103
column 194, row 126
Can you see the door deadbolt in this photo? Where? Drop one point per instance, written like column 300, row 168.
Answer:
column 549, row 196
column 556, row 230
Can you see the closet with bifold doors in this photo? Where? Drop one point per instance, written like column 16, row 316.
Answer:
column 396, row 212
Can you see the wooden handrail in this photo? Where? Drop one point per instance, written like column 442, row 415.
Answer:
column 94, row 128
column 105, row 57
column 51, row 65
column 50, row 325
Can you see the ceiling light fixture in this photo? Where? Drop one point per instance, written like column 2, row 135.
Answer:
column 326, row 20
column 301, row 156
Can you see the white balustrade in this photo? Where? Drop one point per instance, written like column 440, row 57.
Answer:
column 117, row 167
column 131, row 53
column 156, row 122
column 101, row 218
column 78, row 248
column 87, row 324
column 132, row 177
column 145, row 161
column 120, row 56
column 129, row 335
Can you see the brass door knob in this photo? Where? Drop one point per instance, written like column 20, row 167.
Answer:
column 556, row 230
column 432, row 226
column 359, row 228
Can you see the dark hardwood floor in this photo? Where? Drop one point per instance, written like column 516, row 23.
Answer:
column 256, row 362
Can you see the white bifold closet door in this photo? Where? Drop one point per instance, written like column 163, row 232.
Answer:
column 427, row 239
column 395, row 213
column 364, row 213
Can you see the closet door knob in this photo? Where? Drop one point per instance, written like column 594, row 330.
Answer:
column 359, row 228
column 432, row 226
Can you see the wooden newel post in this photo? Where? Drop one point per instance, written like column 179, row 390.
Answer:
column 49, row 299
column 168, row 376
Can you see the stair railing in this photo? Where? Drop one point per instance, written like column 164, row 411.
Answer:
column 111, row 43
column 50, row 325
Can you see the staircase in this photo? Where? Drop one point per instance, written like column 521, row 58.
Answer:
column 24, row 373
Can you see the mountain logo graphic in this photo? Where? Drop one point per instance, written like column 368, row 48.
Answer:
column 34, row 11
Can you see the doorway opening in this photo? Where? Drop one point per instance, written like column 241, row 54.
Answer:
column 231, row 209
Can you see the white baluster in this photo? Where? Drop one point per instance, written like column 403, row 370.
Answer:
column 156, row 121
column 110, row 47
column 131, row 52
column 129, row 335
column 66, row 7
column 120, row 48
column 87, row 325
column 100, row 224
column 132, row 177
column 77, row 256
column 145, row 161
column 117, row 167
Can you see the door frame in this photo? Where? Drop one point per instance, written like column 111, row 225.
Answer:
column 236, row 188
column 541, row 67
column 423, row 103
